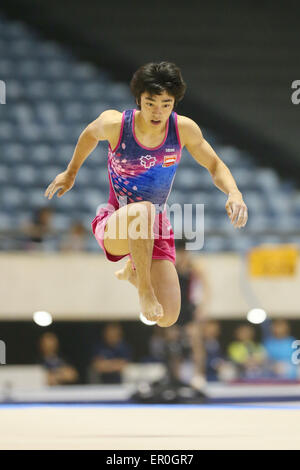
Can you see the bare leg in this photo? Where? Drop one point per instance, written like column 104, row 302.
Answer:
column 141, row 250
column 139, row 244
column 164, row 279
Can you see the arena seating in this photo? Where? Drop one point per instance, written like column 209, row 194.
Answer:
column 51, row 97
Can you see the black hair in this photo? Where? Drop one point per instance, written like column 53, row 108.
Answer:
column 157, row 77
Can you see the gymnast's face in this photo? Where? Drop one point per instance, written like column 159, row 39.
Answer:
column 156, row 109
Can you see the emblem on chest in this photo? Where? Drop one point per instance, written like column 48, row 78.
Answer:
column 147, row 161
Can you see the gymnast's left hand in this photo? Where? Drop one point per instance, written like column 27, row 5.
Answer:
column 236, row 209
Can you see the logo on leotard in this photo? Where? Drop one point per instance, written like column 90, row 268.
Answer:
column 169, row 160
column 148, row 161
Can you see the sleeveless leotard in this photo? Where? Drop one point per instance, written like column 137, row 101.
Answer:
column 138, row 173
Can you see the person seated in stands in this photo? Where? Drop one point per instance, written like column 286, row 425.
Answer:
column 217, row 368
column 110, row 356
column 156, row 346
column 246, row 354
column 75, row 239
column 40, row 230
column 188, row 330
column 278, row 344
column 59, row 372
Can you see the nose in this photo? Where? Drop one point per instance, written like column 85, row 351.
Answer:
column 157, row 111
column 156, row 116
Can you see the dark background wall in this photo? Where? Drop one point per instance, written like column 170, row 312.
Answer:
column 77, row 339
column 238, row 59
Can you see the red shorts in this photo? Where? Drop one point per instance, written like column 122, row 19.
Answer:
column 164, row 244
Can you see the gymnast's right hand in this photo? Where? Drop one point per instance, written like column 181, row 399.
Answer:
column 63, row 182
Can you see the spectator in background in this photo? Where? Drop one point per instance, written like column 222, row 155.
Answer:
column 184, row 340
column 278, row 344
column 75, row 239
column 248, row 356
column 40, row 231
column 169, row 346
column 217, row 368
column 195, row 295
column 110, row 356
column 59, row 372
column 156, row 346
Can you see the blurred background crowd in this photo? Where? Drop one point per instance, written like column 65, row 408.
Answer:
column 249, row 357
column 192, row 350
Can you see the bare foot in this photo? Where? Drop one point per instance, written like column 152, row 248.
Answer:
column 127, row 273
column 150, row 307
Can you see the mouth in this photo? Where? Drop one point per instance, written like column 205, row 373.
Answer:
column 155, row 122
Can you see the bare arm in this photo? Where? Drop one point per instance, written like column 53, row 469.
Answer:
column 204, row 154
column 109, row 365
column 100, row 129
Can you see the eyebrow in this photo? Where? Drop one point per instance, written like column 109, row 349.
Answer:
column 151, row 99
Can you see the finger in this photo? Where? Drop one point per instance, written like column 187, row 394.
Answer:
column 245, row 218
column 50, row 188
column 53, row 191
column 46, row 193
column 228, row 209
column 242, row 218
column 239, row 218
column 235, row 212
column 235, row 216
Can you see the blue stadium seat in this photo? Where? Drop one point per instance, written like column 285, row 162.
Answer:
column 11, row 198
column 40, row 154
column 7, row 132
column 53, row 97
column 12, row 153
column 62, row 221
column 267, row 179
column 214, row 244
column 25, row 175
column 47, row 112
column 240, row 243
column 7, row 221
column 5, row 174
